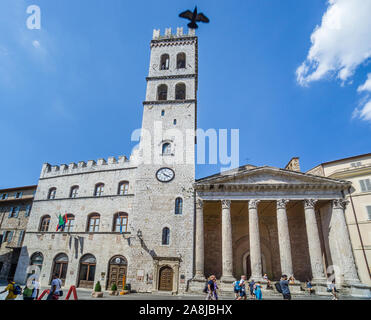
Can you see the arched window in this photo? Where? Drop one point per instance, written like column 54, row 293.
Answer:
column 99, row 188
column 93, row 222
column 51, row 194
column 123, row 188
column 70, row 223
column 37, row 259
column 165, row 236
column 166, row 148
column 181, row 60
column 180, row 91
column 120, row 222
column 44, row 223
column 74, row 191
column 165, row 61
column 162, row 92
column 60, row 265
column 178, row 206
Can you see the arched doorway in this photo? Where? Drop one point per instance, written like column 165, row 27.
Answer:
column 36, row 263
column 60, row 265
column 87, row 271
column 246, row 262
column 165, row 282
column 116, row 271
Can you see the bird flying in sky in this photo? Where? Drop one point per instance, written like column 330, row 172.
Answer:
column 194, row 17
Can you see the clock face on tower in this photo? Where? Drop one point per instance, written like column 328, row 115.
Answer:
column 165, row 174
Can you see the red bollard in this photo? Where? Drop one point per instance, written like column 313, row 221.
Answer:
column 72, row 289
column 46, row 291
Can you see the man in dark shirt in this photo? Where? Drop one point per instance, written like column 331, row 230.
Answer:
column 284, row 283
column 211, row 288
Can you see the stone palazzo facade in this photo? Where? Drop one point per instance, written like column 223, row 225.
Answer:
column 257, row 220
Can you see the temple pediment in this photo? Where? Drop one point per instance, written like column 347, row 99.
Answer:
column 268, row 176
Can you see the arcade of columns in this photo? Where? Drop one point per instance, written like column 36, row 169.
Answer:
column 338, row 222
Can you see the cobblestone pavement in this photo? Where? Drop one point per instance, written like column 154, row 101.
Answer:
column 85, row 294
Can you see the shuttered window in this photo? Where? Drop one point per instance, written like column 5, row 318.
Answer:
column 369, row 212
column 365, row 185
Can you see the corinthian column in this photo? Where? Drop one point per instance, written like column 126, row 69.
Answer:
column 339, row 224
column 284, row 238
column 255, row 251
column 199, row 245
column 314, row 244
column 227, row 252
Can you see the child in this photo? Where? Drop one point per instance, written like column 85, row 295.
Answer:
column 258, row 291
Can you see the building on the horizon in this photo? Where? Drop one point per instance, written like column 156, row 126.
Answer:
column 357, row 170
column 146, row 217
column 15, row 208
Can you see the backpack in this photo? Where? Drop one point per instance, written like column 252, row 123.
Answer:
column 237, row 286
column 27, row 292
column 17, row 289
column 278, row 287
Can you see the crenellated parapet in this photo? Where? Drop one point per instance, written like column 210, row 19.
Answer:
column 168, row 35
column 112, row 163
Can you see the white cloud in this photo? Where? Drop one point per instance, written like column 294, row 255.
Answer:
column 366, row 86
column 340, row 44
column 36, row 43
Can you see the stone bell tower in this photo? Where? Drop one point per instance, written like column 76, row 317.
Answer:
column 164, row 197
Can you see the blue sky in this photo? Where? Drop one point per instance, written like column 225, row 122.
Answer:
column 73, row 90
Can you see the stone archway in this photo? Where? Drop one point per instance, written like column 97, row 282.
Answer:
column 241, row 252
column 246, row 264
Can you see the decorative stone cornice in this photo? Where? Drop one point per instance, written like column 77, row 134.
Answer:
column 177, row 76
column 339, row 204
column 309, row 203
column 169, row 102
column 199, row 203
column 253, row 204
column 226, row 204
column 173, row 42
column 242, row 187
column 281, row 204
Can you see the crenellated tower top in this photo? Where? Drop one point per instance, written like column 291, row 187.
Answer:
column 169, row 35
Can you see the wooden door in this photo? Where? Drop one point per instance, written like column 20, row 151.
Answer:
column 166, row 279
column 116, row 275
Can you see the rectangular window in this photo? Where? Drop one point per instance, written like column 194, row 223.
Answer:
column 18, row 195
column 20, row 239
column 4, row 196
column 8, row 235
column 28, row 210
column 369, row 212
column 365, row 185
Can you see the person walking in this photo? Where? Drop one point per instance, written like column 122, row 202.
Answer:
column 242, row 291
column 216, row 289
column 13, row 290
column 284, row 283
column 55, row 289
column 211, row 288
column 332, row 289
column 236, row 289
column 251, row 286
column 258, row 291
